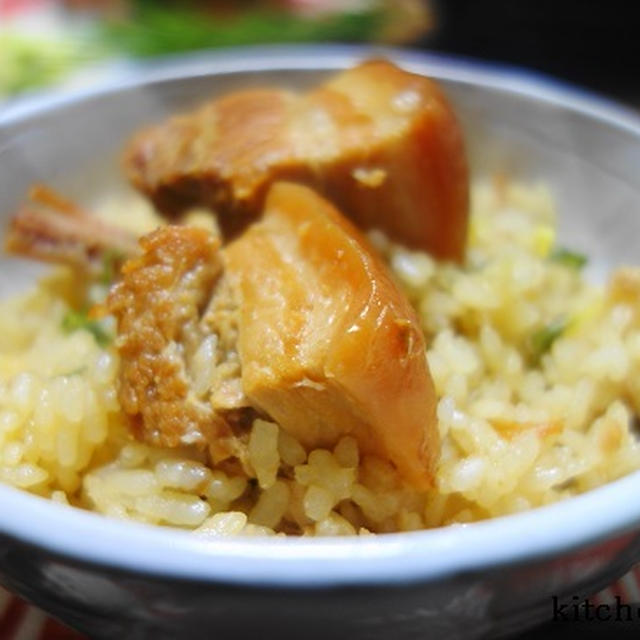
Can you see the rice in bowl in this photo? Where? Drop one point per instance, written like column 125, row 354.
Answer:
column 534, row 369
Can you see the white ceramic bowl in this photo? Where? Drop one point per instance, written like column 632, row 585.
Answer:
column 115, row 579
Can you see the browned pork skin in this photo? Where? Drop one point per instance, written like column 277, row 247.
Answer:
column 381, row 143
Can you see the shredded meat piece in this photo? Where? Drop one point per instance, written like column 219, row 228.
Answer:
column 173, row 352
column 381, row 143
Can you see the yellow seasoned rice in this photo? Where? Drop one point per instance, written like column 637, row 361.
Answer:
column 525, row 420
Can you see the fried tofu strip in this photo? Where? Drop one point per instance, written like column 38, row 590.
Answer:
column 329, row 345
column 381, row 143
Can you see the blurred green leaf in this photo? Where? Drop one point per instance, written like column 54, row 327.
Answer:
column 568, row 258
column 28, row 62
column 155, row 30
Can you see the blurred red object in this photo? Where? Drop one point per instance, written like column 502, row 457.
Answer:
column 19, row 620
column 319, row 7
column 15, row 7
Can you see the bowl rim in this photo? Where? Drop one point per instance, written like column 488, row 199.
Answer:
column 325, row 562
column 122, row 75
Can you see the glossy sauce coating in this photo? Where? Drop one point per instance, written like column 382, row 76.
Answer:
column 329, row 345
column 381, row 143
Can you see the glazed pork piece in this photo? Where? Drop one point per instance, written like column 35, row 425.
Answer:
column 381, row 144
column 329, row 345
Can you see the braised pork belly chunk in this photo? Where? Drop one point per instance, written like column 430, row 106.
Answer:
column 329, row 345
column 379, row 142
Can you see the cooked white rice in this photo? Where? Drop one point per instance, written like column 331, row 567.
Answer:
column 525, row 419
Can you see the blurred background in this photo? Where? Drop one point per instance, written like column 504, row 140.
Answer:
column 592, row 43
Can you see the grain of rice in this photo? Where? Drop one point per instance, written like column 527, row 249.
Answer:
column 263, row 452
column 318, row 502
column 271, row 505
column 182, row 474
column 225, row 489
column 222, row 524
column 334, row 525
column 173, row 508
column 290, row 450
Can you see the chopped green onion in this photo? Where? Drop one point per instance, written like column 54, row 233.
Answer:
column 540, row 342
column 73, row 372
column 75, row 320
column 568, row 258
column 110, row 262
